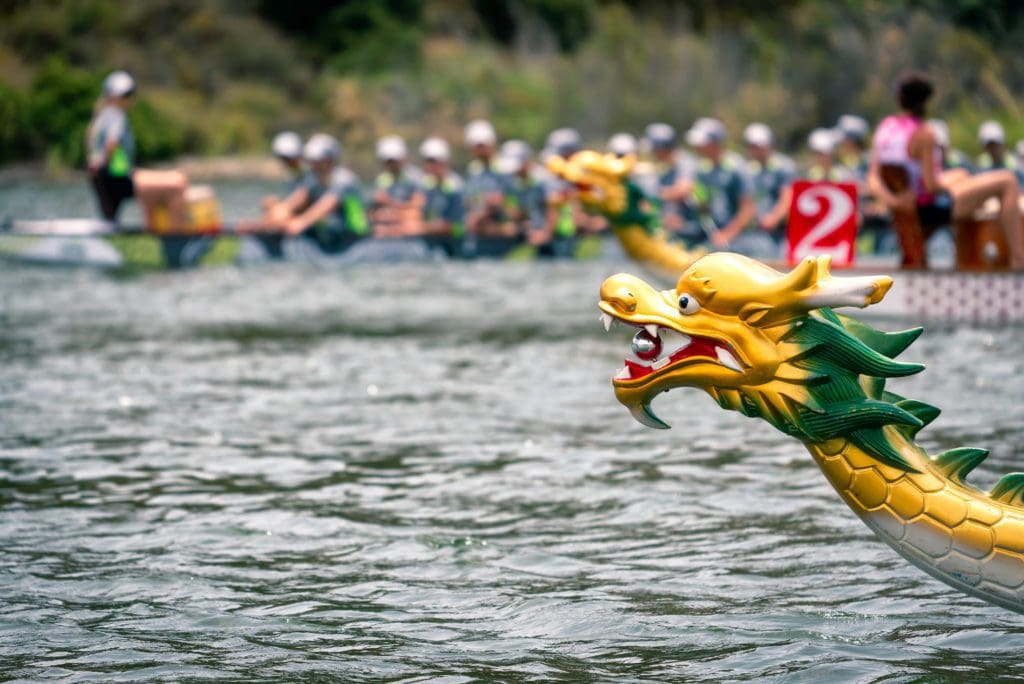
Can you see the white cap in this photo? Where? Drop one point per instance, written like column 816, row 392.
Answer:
column 853, row 127
column 287, row 145
column 941, row 131
column 321, row 147
column 513, row 155
column 564, row 141
column 660, row 135
column 758, row 135
column 391, row 147
column 991, row 132
column 118, row 84
column 622, row 144
column 705, row 130
column 436, row 149
column 823, row 140
column 480, row 132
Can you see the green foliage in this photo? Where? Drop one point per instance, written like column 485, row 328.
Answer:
column 221, row 76
column 60, row 107
column 156, row 136
column 15, row 140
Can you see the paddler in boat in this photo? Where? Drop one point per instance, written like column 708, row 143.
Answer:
column 111, row 161
column 905, row 140
column 396, row 205
column 327, row 207
column 525, row 193
column 443, row 201
column 485, row 185
column 952, row 158
column 672, row 189
column 772, row 174
column 287, row 147
column 563, row 214
column 822, row 143
column 994, row 154
column 725, row 194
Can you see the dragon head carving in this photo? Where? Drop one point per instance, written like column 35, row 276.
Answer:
column 766, row 344
column 603, row 186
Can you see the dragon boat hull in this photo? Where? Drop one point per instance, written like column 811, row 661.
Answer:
column 97, row 244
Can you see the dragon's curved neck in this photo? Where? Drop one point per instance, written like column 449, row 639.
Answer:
column 951, row 531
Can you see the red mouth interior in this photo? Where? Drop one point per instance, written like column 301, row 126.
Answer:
column 699, row 346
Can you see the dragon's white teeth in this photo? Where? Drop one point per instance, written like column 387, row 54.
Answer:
column 623, row 374
column 607, row 320
column 727, row 359
column 651, row 329
column 672, row 341
column 660, row 363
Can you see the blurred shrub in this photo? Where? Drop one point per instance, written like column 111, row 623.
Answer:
column 15, row 134
column 60, row 106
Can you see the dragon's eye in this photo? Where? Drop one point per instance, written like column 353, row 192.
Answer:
column 688, row 304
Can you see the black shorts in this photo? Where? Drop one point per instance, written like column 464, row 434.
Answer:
column 935, row 215
column 111, row 191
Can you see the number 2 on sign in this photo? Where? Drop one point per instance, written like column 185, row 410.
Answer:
column 823, row 221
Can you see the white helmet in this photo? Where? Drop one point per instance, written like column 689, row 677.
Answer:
column 435, row 149
column 660, row 135
column 757, row 135
column 321, row 147
column 853, row 127
column 941, row 131
column 991, row 132
column 822, row 140
column 622, row 144
column 118, row 84
column 564, row 141
column 287, row 145
column 391, row 147
column 480, row 132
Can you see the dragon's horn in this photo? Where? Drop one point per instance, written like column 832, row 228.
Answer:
column 831, row 291
column 810, row 285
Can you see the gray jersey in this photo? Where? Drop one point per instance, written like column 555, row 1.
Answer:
column 112, row 124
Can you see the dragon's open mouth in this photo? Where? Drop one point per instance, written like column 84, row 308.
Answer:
column 656, row 347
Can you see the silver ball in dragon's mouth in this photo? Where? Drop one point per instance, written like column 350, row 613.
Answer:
column 645, row 345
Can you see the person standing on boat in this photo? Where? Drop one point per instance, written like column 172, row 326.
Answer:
column 485, row 185
column 995, row 155
column 328, row 207
column 111, row 161
column 906, row 141
column 772, row 174
column 396, row 202
column 443, row 202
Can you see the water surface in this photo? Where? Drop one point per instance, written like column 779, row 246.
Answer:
column 419, row 472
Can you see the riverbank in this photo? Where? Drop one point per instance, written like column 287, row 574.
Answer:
column 204, row 169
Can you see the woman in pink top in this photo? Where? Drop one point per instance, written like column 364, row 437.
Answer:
column 939, row 197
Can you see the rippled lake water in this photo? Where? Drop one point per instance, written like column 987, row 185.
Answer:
column 419, row 472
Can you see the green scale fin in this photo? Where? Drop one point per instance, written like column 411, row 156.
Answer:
column 834, row 344
column 956, row 464
column 1009, row 490
column 925, row 413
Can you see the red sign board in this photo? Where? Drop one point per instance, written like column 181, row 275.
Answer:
column 822, row 220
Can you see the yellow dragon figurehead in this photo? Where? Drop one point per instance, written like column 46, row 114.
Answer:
column 602, row 183
column 768, row 345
